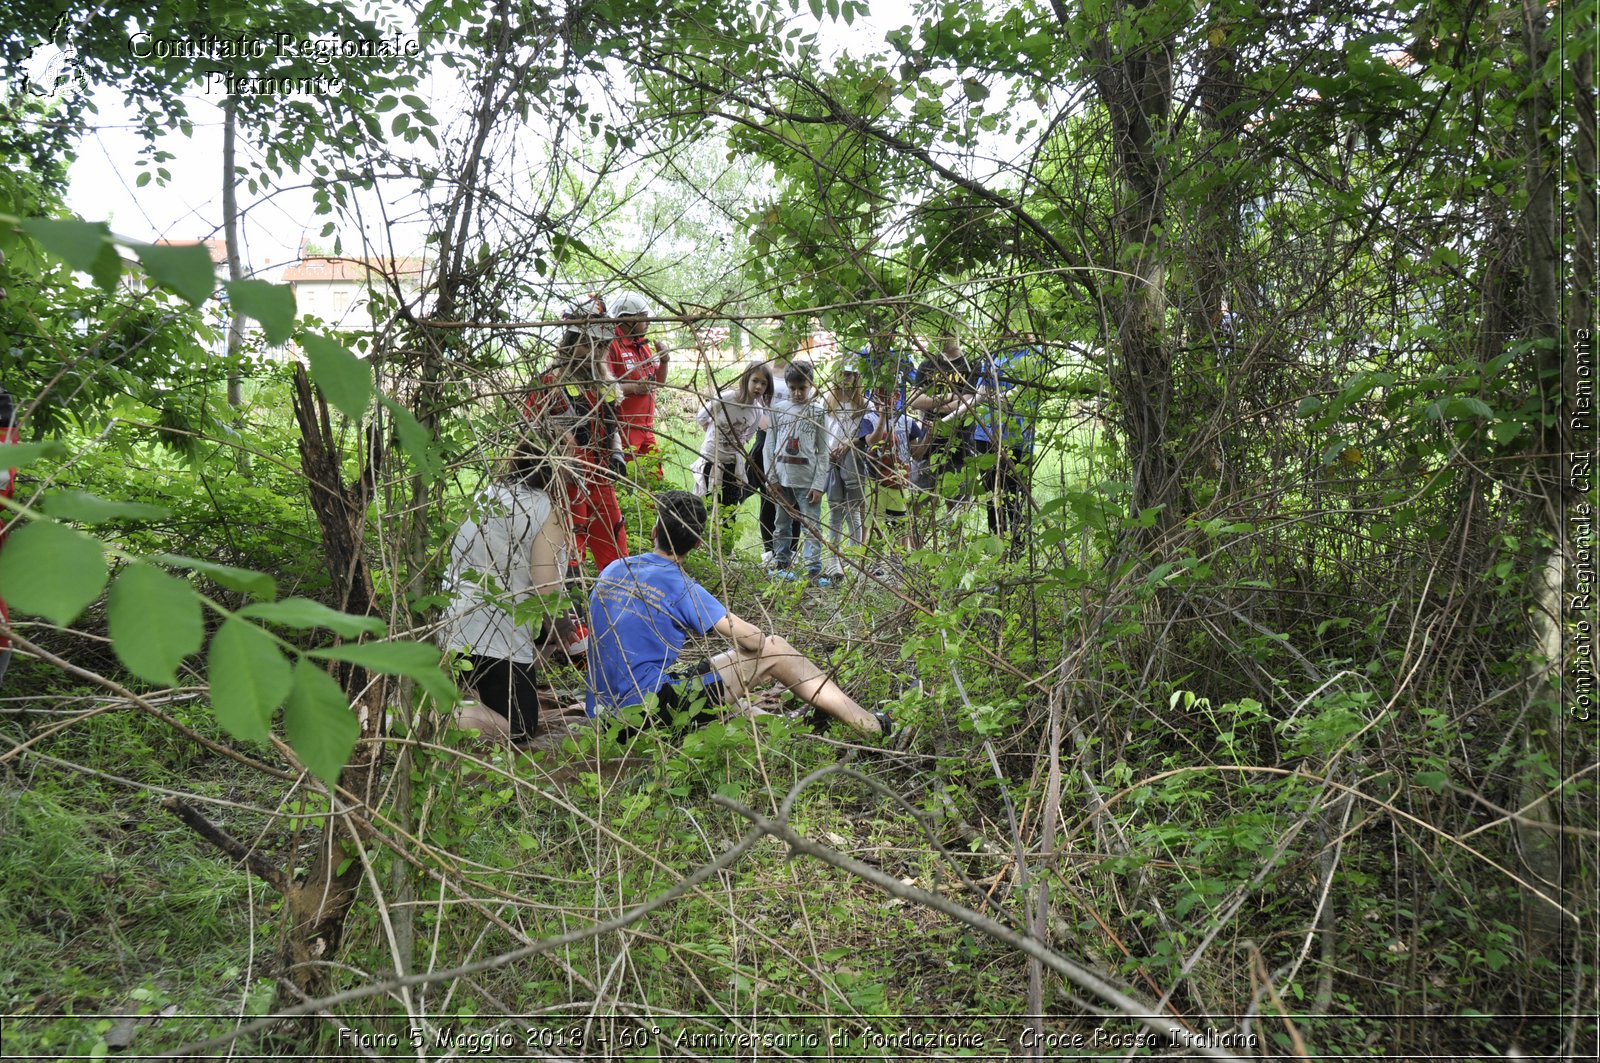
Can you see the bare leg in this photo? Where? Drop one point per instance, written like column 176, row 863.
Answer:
column 489, row 724
column 777, row 660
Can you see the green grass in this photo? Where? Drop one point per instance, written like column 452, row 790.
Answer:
column 112, row 906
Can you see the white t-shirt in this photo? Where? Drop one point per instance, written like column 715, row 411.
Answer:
column 495, row 549
column 729, row 425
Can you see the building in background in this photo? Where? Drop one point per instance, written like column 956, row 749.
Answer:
column 342, row 290
column 216, row 307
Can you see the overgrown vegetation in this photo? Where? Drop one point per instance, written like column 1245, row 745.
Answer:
column 1270, row 739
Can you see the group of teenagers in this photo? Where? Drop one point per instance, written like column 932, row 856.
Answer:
column 516, row 560
column 873, row 453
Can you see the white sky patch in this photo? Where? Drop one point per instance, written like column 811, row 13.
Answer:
column 276, row 220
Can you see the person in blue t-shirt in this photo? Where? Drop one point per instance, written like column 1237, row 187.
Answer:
column 1004, row 428
column 645, row 607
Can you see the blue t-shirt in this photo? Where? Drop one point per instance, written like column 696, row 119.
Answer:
column 642, row 610
column 997, row 373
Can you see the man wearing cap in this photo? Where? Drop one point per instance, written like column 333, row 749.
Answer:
column 639, row 368
column 645, row 607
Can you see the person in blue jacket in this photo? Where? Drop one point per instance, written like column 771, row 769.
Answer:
column 1004, row 427
column 645, row 607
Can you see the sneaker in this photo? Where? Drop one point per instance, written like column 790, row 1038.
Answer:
column 785, row 574
column 821, row 581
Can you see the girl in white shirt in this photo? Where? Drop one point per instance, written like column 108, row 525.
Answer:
column 846, row 405
column 731, row 420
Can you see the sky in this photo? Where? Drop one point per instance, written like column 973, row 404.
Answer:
column 189, row 206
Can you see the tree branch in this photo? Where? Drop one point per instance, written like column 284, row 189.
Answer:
column 234, row 848
column 1085, row 979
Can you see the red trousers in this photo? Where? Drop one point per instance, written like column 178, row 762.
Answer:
column 596, row 517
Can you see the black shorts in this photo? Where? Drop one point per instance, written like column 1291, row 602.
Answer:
column 509, row 688
column 690, row 698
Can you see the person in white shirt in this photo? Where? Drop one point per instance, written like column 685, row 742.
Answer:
column 797, row 468
column 846, row 406
column 731, row 419
column 770, row 512
column 511, row 552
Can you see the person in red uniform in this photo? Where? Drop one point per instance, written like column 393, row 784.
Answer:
column 574, row 406
column 639, row 368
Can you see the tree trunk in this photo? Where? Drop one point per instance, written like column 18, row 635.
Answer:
column 1135, row 85
column 1585, row 163
column 1216, row 367
column 318, row 903
column 230, row 235
column 1544, row 735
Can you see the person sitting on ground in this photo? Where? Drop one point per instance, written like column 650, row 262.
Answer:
column 645, row 607
column 513, row 549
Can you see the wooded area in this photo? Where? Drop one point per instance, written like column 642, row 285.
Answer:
column 1269, row 733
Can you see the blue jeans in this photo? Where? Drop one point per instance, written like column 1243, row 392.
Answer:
column 810, row 518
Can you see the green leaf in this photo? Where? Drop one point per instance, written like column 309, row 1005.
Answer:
column 304, row 614
column 243, row 580
column 415, row 440
column 1467, row 406
column 318, row 722
column 344, row 378
column 155, row 622
column 77, row 243
column 1433, row 780
column 416, row 660
column 391, row 658
column 51, row 570
column 21, row 455
column 270, row 304
column 106, row 269
column 84, row 508
column 184, row 268
column 975, row 90
column 249, row 679
column 1505, row 431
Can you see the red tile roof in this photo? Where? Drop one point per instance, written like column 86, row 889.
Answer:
column 329, row 268
column 217, row 248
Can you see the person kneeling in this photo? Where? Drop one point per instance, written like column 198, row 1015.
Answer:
column 646, row 606
column 512, row 549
